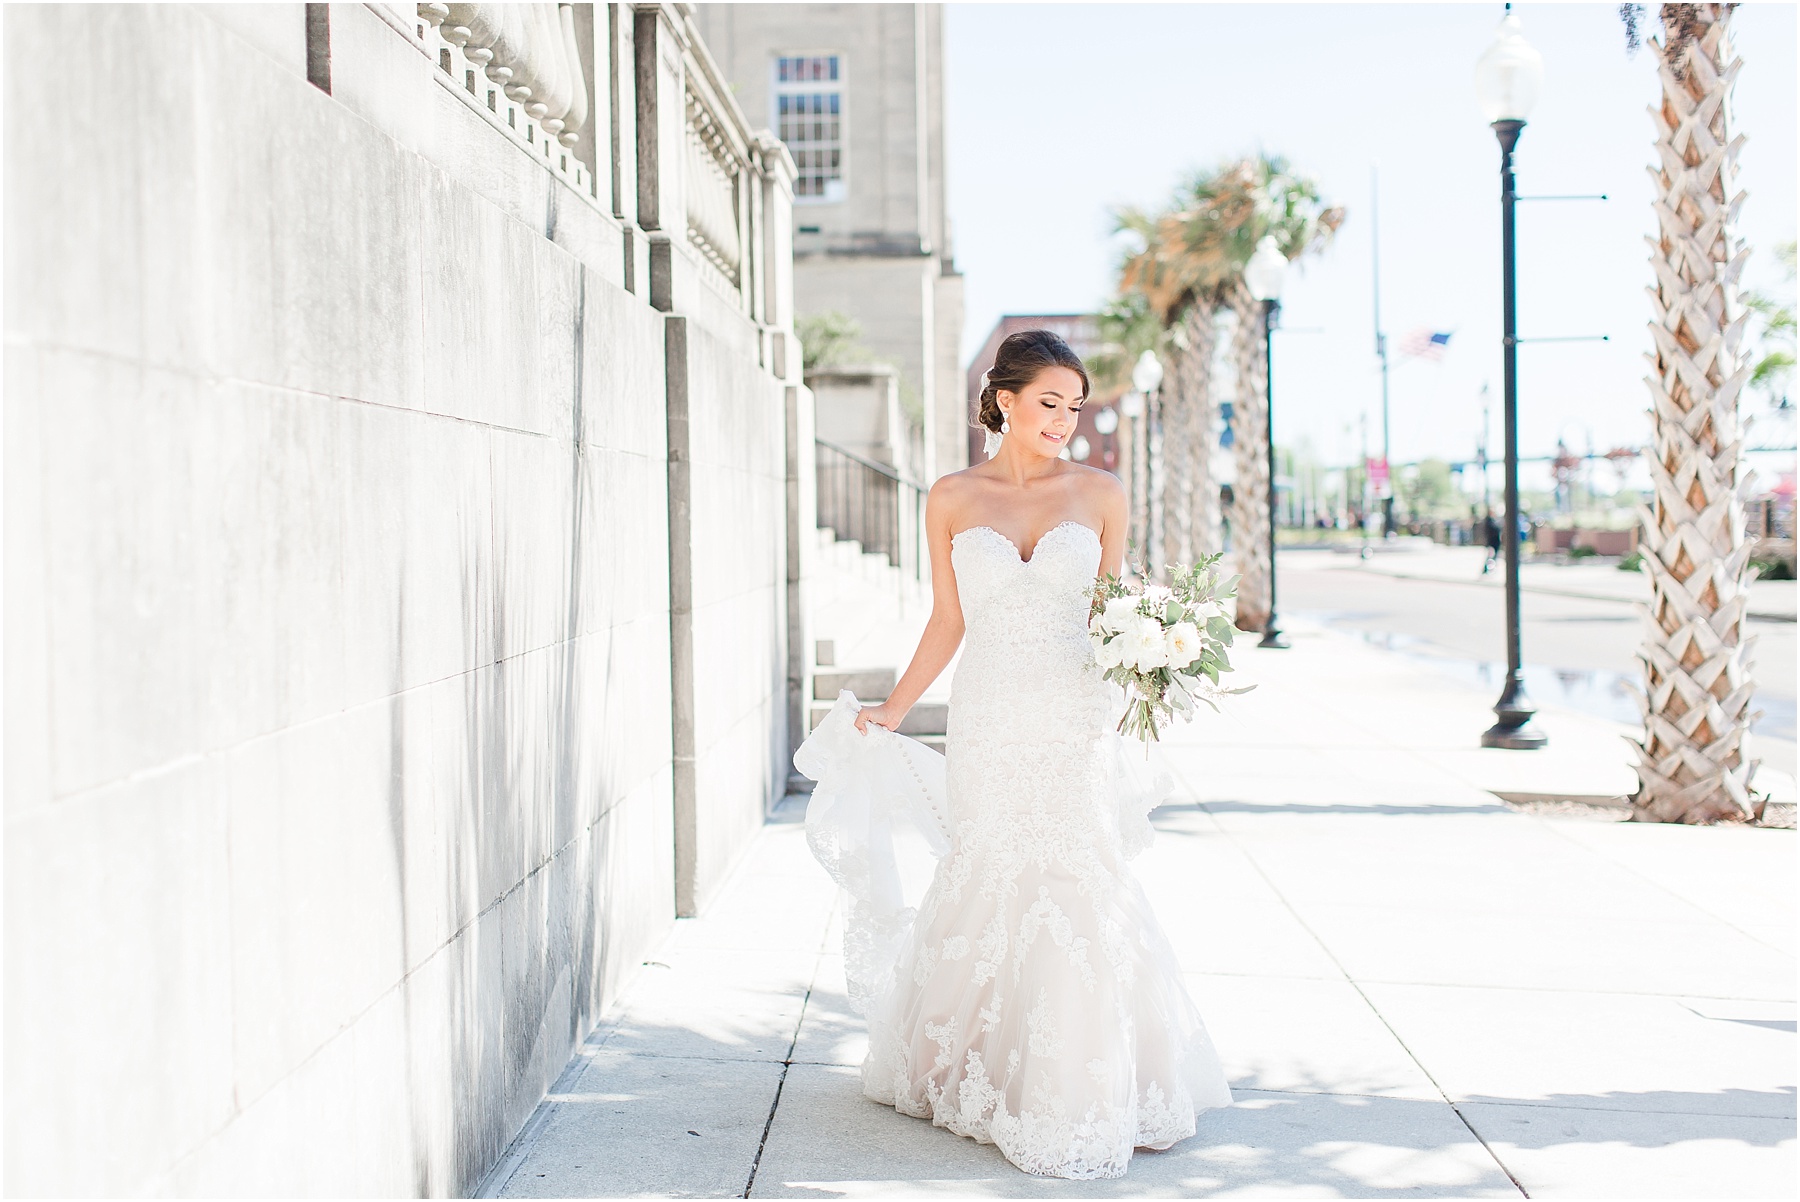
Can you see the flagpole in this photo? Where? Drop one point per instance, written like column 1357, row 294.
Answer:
column 1387, row 491
column 1363, row 510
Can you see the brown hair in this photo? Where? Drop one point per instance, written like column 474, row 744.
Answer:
column 1019, row 361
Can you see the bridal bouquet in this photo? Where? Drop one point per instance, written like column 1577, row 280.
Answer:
column 1164, row 645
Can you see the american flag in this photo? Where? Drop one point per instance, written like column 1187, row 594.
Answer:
column 1424, row 343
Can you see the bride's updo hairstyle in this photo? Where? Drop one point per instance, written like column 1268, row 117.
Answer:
column 1019, row 361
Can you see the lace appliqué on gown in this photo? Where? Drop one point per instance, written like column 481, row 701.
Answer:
column 1031, row 1001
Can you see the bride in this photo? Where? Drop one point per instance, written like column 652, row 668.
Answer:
column 1032, row 1002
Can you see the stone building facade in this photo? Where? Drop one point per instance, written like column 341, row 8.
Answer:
column 405, row 465
column 857, row 91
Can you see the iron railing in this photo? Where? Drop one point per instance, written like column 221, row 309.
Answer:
column 1770, row 518
column 872, row 504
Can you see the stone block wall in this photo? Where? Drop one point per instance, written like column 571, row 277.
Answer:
column 340, row 720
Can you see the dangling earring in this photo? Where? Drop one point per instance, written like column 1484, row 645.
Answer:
column 1005, row 426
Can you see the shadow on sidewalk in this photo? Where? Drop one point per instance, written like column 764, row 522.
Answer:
column 1379, row 809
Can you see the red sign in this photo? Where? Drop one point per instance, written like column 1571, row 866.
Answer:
column 1378, row 475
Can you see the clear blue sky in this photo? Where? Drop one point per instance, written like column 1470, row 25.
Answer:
column 1059, row 112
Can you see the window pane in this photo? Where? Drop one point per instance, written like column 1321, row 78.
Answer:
column 807, row 114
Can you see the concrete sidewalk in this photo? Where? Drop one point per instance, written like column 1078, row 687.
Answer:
column 1417, row 990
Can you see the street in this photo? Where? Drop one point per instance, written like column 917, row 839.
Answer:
column 1579, row 652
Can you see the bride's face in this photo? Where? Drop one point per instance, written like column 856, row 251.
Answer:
column 1042, row 417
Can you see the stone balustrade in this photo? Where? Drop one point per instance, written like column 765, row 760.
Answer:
column 716, row 165
column 707, row 182
column 523, row 64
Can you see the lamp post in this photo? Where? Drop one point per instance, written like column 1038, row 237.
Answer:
column 1131, row 408
column 1106, row 422
column 1507, row 79
column 1263, row 276
column 1147, row 378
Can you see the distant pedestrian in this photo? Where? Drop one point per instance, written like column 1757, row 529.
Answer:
column 1490, row 535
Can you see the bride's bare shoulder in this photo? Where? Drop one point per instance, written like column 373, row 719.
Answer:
column 954, row 485
column 1097, row 483
column 951, row 494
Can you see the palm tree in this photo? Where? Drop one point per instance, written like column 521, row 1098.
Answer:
column 1189, row 265
column 1182, row 296
column 1281, row 203
column 1693, row 762
column 1774, row 367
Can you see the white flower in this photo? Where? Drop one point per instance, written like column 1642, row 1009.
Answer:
column 1184, row 644
column 1108, row 654
column 1118, row 614
column 1159, row 596
column 1205, row 611
column 1145, row 646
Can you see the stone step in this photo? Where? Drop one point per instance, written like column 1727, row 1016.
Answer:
column 869, row 684
column 925, row 721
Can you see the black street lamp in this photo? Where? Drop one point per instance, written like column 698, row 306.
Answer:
column 1263, row 275
column 1507, row 79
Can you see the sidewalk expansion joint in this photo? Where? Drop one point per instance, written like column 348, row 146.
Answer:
column 787, row 1062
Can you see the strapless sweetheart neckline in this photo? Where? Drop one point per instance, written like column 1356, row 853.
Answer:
column 1034, row 546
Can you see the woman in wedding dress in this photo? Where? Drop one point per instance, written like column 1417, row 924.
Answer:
column 1033, row 1000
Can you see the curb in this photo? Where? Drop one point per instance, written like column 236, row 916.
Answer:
column 1758, row 615
column 1613, row 800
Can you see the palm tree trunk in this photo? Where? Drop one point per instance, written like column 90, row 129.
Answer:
column 1188, row 482
column 1693, row 759
column 1169, row 527
column 1203, row 489
column 1250, row 447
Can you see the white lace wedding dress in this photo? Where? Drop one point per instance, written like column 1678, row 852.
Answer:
column 1031, row 1000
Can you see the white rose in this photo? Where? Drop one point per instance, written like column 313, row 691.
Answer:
column 1146, row 648
column 1117, row 614
column 1207, row 610
column 1108, row 654
column 1184, row 644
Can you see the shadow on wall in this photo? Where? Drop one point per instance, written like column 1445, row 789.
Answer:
column 530, row 869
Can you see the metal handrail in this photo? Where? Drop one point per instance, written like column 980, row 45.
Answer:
column 883, row 468
column 871, row 503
